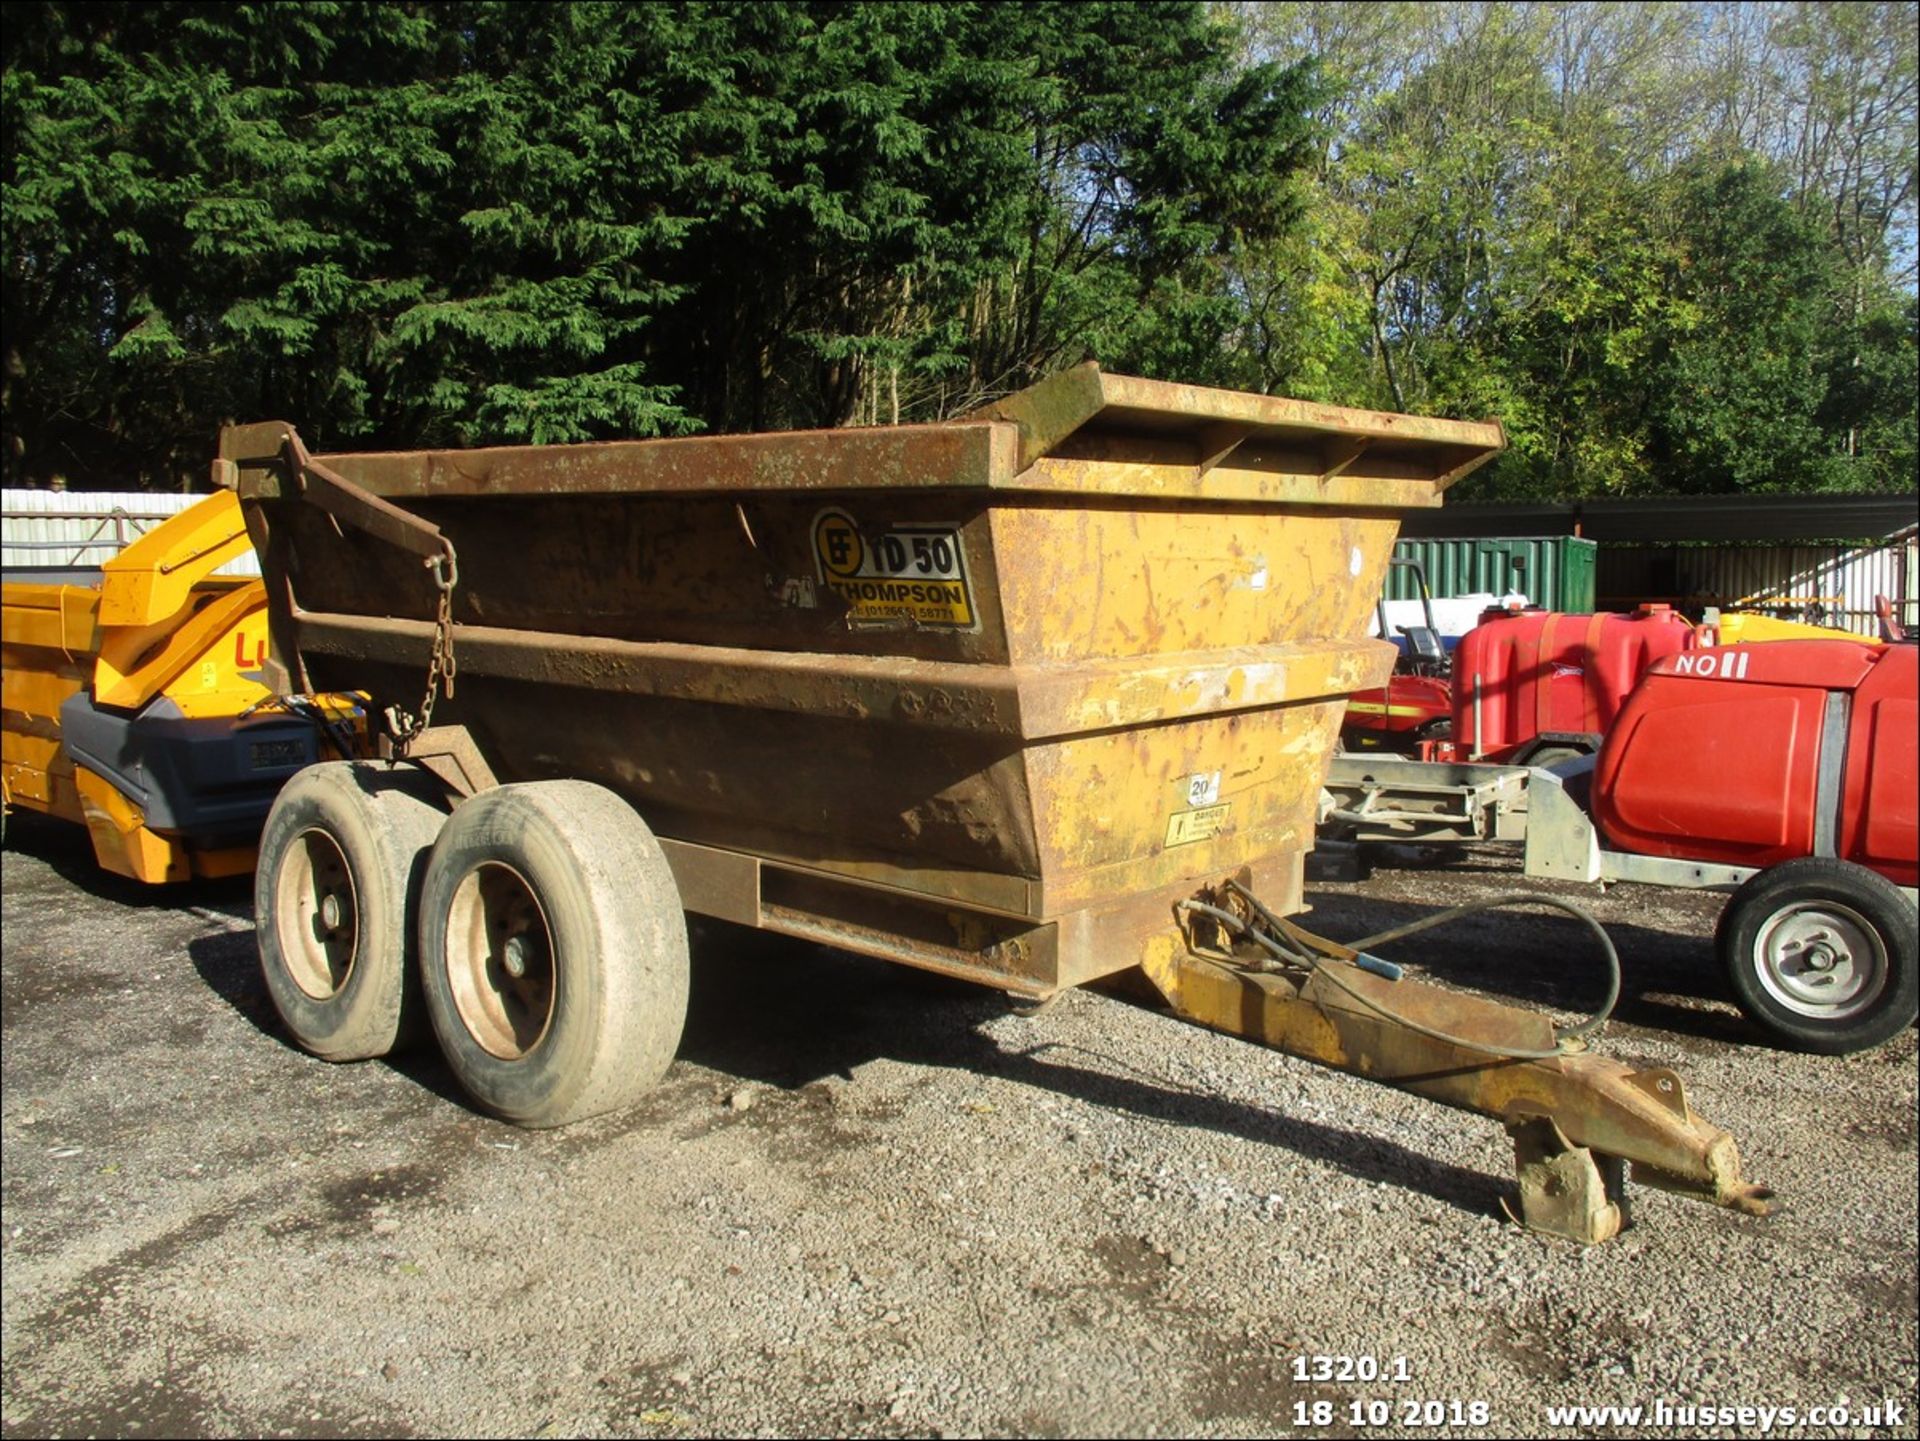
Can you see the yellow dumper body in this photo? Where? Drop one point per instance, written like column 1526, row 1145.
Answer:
column 123, row 701
column 1031, row 697
column 983, row 696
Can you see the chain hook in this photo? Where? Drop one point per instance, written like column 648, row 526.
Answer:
column 442, row 667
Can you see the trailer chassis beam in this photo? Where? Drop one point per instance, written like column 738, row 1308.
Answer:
column 1576, row 1119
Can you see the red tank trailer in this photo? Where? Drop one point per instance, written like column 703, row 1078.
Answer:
column 1799, row 758
column 1531, row 687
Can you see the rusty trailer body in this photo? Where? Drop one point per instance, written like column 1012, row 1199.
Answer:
column 992, row 697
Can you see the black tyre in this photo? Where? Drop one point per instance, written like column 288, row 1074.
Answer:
column 1553, row 755
column 553, row 952
column 1822, row 953
column 334, row 896
column 1411, row 855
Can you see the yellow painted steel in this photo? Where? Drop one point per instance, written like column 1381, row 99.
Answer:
column 37, row 774
column 1364, row 707
column 65, row 618
column 159, row 624
column 1115, row 679
column 1116, row 813
column 1168, row 598
column 152, row 580
column 1153, row 606
column 49, row 636
column 1744, row 627
column 200, row 663
column 122, row 843
column 1344, row 1017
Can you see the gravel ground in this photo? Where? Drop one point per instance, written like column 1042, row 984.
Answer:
column 870, row 1202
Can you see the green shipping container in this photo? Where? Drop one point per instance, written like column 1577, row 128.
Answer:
column 1554, row 571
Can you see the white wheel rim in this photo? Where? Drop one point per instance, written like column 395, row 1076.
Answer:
column 317, row 914
column 1822, row 960
column 500, row 962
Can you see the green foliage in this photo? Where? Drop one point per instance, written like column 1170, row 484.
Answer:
column 1870, row 397
column 1670, row 247
column 1736, row 376
column 1665, row 245
column 406, row 225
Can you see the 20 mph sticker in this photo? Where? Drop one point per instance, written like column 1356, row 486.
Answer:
column 911, row 573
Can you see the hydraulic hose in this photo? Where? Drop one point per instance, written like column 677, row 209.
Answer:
column 1267, row 931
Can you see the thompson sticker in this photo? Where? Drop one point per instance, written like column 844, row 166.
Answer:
column 915, row 574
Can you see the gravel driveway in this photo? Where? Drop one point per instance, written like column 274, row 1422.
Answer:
column 871, row 1202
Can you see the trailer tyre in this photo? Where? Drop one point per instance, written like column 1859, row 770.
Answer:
column 1552, row 756
column 335, row 892
column 1822, row 953
column 553, row 952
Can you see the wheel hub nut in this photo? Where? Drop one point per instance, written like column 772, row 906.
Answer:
column 330, row 911
column 514, row 956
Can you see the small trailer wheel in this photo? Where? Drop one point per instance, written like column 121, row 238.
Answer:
column 553, row 952
column 1548, row 756
column 1822, row 953
column 334, row 893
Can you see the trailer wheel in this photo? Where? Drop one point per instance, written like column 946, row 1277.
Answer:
column 553, row 952
column 1552, row 756
column 1822, row 953
column 334, row 893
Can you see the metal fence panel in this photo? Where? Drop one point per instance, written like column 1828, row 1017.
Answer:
column 78, row 529
column 1826, row 584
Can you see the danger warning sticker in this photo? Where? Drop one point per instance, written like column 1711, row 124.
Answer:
column 1186, row 827
column 911, row 573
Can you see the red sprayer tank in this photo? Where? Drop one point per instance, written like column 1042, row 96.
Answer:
column 1525, row 679
column 1756, row 754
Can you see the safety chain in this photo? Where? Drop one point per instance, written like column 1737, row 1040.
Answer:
column 346, row 502
column 442, row 667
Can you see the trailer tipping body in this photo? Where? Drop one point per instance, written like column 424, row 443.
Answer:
column 1008, row 697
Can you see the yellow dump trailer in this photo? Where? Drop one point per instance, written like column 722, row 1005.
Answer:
column 132, row 708
column 1030, row 698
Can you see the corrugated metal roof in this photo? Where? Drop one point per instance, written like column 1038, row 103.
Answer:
column 1863, row 518
column 82, row 528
